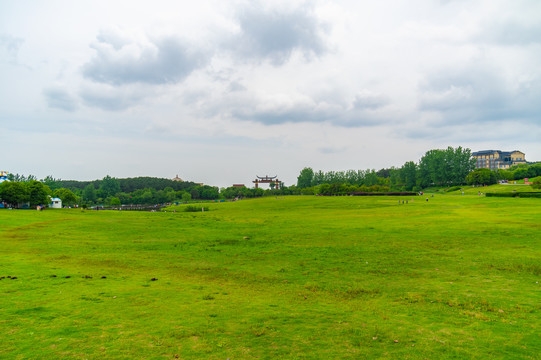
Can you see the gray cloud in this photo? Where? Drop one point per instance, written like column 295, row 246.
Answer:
column 119, row 61
column 275, row 34
column 511, row 33
column 307, row 112
column 9, row 48
column 110, row 99
column 479, row 96
column 474, row 94
column 60, row 99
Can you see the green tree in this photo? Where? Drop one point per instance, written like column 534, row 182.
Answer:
column 66, row 195
column 37, row 193
column 51, row 182
column 186, row 197
column 445, row 167
column 14, row 193
column 481, row 177
column 109, row 186
column 304, row 180
column 114, row 201
column 409, row 174
column 89, row 193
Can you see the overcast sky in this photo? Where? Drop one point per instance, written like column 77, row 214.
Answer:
column 221, row 91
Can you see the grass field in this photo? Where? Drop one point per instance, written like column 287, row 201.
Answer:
column 309, row 277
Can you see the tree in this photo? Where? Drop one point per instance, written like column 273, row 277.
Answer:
column 37, row 193
column 481, row 177
column 186, row 197
column 109, row 186
column 66, row 195
column 114, row 201
column 304, row 180
column 409, row 174
column 445, row 167
column 13, row 193
column 194, row 193
column 51, row 182
column 89, row 193
column 207, row 192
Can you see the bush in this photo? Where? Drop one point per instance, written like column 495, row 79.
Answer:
column 517, row 194
column 530, row 195
column 193, row 208
column 501, row 194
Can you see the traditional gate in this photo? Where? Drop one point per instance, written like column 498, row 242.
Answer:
column 267, row 180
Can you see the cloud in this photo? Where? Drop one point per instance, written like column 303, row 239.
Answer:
column 481, row 95
column 110, row 98
column 274, row 34
column 60, row 99
column 298, row 108
column 511, row 33
column 9, row 48
column 120, row 60
column 473, row 93
column 366, row 100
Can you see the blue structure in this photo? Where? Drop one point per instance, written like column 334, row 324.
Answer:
column 3, row 176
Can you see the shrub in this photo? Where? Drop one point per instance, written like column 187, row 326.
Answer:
column 530, row 195
column 521, row 195
column 193, row 208
column 501, row 194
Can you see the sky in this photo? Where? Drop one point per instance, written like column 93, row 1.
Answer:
column 221, row 91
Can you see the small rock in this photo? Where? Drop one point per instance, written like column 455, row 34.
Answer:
column 501, row 311
column 375, row 338
column 246, row 238
column 396, row 341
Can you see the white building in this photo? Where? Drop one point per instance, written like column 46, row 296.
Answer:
column 56, row 203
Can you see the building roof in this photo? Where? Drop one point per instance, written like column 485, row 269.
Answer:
column 489, row 152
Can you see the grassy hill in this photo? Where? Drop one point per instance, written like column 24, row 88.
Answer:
column 293, row 277
column 499, row 188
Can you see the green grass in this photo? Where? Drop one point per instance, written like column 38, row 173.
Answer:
column 500, row 188
column 294, row 277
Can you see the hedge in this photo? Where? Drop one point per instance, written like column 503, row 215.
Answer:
column 517, row 194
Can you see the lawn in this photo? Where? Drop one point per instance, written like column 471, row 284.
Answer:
column 299, row 277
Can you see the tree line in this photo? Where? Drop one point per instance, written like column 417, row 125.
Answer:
column 439, row 168
column 436, row 168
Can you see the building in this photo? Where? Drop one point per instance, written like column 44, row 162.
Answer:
column 497, row 159
column 56, row 203
column 3, row 176
column 176, row 178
